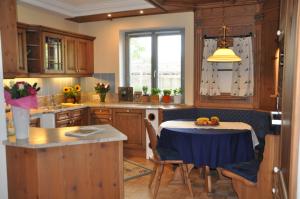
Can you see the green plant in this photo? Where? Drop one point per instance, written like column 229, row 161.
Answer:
column 145, row 90
column 155, row 91
column 177, row 91
column 167, row 92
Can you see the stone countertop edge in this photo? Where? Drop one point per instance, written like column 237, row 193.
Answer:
column 37, row 112
column 56, row 137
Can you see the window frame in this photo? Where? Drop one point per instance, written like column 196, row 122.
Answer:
column 154, row 34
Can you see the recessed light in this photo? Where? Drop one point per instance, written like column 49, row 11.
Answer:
column 141, row 11
column 109, row 15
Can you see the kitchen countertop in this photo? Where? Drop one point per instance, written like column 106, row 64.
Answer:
column 55, row 137
column 36, row 112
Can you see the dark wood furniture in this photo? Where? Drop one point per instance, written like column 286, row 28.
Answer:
column 130, row 122
column 263, row 188
column 159, row 164
column 78, row 117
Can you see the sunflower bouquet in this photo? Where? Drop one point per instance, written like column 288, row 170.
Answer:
column 72, row 93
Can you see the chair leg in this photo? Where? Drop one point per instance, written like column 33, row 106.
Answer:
column 158, row 180
column 182, row 173
column 187, row 179
column 153, row 175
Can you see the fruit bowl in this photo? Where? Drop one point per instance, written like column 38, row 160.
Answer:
column 206, row 124
column 203, row 121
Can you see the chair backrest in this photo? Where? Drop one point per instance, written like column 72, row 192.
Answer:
column 152, row 138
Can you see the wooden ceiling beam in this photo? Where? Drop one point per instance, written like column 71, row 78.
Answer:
column 158, row 4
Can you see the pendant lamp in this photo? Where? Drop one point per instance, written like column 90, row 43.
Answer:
column 223, row 53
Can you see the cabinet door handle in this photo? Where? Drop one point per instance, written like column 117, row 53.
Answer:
column 110, row 118
column 127, row 110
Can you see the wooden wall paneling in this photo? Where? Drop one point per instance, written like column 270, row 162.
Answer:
column 8, row 28
column 241, row 21
column 269, row 42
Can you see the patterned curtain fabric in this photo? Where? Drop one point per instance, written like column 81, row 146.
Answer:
column 209, row 84
column 243, row 72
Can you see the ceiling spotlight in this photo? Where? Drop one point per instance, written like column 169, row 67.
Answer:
column 141, row 11
column 109, row 15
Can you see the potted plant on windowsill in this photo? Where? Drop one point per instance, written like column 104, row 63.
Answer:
column 167, row 96
column 154, row 98
column 177, row 95
column 145, row 96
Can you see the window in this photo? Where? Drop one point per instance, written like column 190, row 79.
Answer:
column 155, row 59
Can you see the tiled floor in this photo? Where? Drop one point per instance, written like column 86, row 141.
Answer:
column 138, row 188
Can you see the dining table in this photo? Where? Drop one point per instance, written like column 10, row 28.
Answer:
column 209, row 147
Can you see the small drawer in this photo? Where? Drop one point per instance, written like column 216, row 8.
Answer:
column 77, row 113
column 63, row 115
column 102, row 117
column 101, row 111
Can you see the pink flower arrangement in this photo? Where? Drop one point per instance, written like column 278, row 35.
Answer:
column 102, row 88
column 22, row 94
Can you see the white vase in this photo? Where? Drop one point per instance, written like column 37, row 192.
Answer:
column 177, row 99
column 21, row 122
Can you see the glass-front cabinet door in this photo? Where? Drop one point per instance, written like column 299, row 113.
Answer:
column 53, row 53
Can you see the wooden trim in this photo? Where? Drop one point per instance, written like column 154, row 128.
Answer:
column 116, row 15
column 55, row 31
column 295, row 125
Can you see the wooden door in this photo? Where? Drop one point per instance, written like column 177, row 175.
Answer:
column 130, row 122
column 22, row 53
column 71, row 55
column 290, row 95
column 85, row 58
column 8, row 29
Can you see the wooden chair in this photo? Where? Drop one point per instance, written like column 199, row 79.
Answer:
column 262, row 189
column 162, row 157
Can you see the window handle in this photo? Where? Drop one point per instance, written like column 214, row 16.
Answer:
column 154, row 74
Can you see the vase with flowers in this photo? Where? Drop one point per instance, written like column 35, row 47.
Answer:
column 22, row 97
column 102, row 89
column 72, row 94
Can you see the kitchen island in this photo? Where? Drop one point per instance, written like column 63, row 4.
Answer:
column 52, row 165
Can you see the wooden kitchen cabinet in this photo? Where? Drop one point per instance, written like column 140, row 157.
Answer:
column 101, row 116
column 85, row 56
column 49, row 52
column 76, row 117
column 22, row 52
column 71, row 55
column 131, row 123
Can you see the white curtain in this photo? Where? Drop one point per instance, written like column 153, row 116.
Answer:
column 209, row 84
column 243, row 72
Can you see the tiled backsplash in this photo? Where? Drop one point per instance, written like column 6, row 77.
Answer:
column 88, row 83
column 54, row 86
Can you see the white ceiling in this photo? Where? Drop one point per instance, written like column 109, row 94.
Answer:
column 74, row 8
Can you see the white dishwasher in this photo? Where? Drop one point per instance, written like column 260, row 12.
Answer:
column 152, row 116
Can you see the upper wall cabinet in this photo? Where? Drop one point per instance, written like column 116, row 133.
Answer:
column 47, row 52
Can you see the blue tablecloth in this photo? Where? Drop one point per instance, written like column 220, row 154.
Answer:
column 211, row 147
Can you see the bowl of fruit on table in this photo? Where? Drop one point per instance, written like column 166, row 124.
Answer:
column 205, row 121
